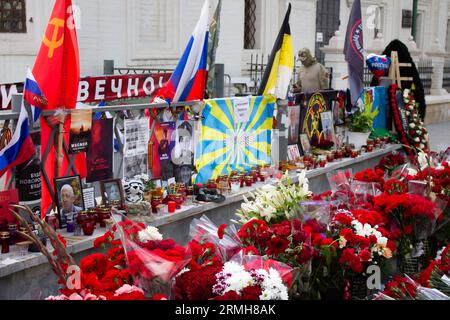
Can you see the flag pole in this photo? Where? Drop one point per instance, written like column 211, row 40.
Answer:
column 59, row 146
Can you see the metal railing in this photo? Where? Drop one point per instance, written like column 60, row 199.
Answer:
column 257, row 67
column 425, row 69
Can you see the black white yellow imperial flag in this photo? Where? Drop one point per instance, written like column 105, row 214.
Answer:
column 278, row 74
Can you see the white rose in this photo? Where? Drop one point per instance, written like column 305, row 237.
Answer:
column 149, row 234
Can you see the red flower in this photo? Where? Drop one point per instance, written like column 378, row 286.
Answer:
column 282, row 229
column 343, row 219
column 229, row 296
column 221, row 230
column 365, row 255
column 277, row 246
column 159, row 297
column 408, row 229
column 250, row 250
column 96, row 262
column 251, row 293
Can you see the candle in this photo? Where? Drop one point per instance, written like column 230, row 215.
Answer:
column 171, row 206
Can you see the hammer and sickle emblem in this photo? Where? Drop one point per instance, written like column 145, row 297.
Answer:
column 54, row 43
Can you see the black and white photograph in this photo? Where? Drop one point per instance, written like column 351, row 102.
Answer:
column 135, row 165
column 69, row 198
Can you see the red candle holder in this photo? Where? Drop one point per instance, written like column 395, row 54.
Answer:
column 88, row 228
column 355, row 154
column 178, row 201
column 156, row 202
column 171, row 206
column 369, row 148
column 249, row 181
column 322, row 163
column 330, row 157
column 4, row 238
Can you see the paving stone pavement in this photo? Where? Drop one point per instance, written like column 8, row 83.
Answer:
column 439, row 136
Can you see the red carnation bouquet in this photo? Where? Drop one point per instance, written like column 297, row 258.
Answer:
column 152, row 261
column 391, row 162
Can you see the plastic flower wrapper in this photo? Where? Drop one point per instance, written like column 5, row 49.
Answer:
column 364, row 191
column 153, row 262
column 224, row 237
column 254, row 262
column 340, row 180
column 317, row 210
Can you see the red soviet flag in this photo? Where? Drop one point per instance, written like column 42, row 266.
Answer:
column 57, row 73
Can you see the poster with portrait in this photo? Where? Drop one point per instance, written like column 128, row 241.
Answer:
column 182, row 154
column 135, row 148
column 69, row 198
column 305, row 144
column 163, row 142
column 100, row 155
column 310, row 120
column 328, row 134
column 80, row 130
column 294, row 124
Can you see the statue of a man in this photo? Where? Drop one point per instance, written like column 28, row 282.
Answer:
column 312, row 76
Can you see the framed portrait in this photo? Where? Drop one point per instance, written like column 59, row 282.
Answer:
column 69, row 198
column 293, row 152
column 112, row 190
column 305, row 143
column 328, row 133
column 294, row 124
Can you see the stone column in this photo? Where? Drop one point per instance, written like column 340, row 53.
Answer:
column 437, row 52
column 438, row 56
column 334, row 58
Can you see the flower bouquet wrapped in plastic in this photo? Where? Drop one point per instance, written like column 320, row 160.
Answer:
column 251, row 277
column 224, row 237
column 152, row 261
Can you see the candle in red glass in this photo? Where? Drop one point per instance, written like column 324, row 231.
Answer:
column 156, row 202
column 354, row 154
column 369, row 148
column 330, row 157
column 249, row 181
column 211, row 184
column 171, row 206
column 322, row 163
column 88, row 228
column 4, row 238
column 178, row 200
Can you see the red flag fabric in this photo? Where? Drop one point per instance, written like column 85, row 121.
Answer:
column 57, row 72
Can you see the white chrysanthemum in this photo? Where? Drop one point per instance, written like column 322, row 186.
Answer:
column 238, row 281
column 149, row 234
column 232, row 267
column 273, row 287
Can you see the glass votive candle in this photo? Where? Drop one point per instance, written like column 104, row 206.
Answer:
column 4, row 239
column 178, row 200
column 12, row 229
column 370, row 142
column 88, row 228
column 369, row 148
column 171, row 206
column 330, row 157
column 156, row 202
column 22, row 248
column 355, row 154
column 322, row 163
column 249, row 181
column 235, row 183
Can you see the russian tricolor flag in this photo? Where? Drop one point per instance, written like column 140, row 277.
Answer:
column 32, row 94
column 21, row 147
column 188, row 82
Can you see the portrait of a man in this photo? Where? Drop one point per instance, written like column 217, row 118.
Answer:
column 69, row 194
